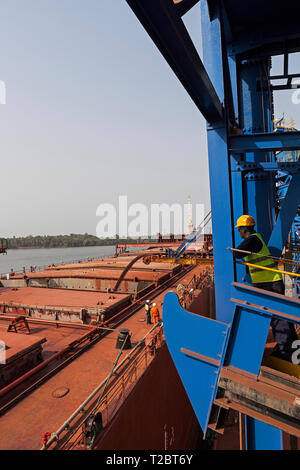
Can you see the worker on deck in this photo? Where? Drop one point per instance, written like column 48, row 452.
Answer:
column 283, row 331
column 155, row 314
column 148, row 310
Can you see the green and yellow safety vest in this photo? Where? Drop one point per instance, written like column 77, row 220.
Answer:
column 262, row 259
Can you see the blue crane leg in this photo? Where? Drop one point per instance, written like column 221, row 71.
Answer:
column 262, row 436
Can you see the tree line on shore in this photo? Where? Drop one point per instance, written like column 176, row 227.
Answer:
column 63, row 241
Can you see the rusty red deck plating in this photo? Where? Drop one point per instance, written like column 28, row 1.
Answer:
column 41, row 410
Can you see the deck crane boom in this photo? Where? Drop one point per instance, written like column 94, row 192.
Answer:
column 192, row 237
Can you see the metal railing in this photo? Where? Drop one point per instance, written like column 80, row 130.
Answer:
column 122, row 379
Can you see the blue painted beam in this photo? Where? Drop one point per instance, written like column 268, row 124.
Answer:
column 166, row 28
column 273, row 141
column 254, row 118
column 222, row 224
column 247, row 339
column 269, row 39
column 253, row 313
column 291, row 167
column 219, row 168
column 265, row 302
column 197, row 346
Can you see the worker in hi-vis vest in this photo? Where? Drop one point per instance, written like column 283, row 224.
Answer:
column 148, row 310
column 283, row 331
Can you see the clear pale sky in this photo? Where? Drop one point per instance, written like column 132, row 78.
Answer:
column 93, row 112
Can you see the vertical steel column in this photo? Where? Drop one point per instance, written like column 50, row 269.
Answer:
column 238, row 205
column 219, row 167
column 286, row 216
column 262, row 436
column 255, row 116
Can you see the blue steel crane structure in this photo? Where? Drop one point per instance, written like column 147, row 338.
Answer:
column 283, row 180
column 220, row 361
column 295, row 248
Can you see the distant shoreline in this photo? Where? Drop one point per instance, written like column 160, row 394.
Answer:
column 74, row 240
column 54, row 247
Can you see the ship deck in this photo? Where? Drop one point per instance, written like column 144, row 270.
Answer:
column 117, row 264
column 22, row 426
column 59, row 298
column 42, row 412
column 93, row 273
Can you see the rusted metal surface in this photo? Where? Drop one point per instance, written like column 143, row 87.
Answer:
column 163, row 243
column 5, row 318
column 153, row 294
column 280, row 379
column 88, row 279
column 244, row 409
column 89, row 273
column 19, row 324
column 80, row 376
column 265, row 399
column 58, row 335
column 27, row 383
column 127, row 269
column 118, row 385
column 239, row 378
column 59, row 298
column 167, row 421
column 117, row 263
column 61, row 305
column 87, row 337
column 22, row 352
column 18, row 344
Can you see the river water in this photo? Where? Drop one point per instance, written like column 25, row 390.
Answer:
column 16, row 259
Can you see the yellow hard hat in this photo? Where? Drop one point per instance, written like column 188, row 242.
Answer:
column 245, row 221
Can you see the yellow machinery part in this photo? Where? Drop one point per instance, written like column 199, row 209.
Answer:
column 282, row 366
column 189, row 260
